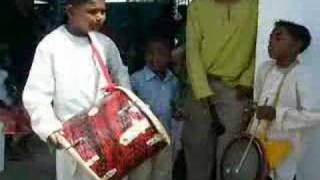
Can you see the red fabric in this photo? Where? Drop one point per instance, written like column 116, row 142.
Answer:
column 102, row 134
column 103, row 67
column 16, row 120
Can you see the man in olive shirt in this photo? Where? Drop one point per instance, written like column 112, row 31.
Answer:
column 221, row 36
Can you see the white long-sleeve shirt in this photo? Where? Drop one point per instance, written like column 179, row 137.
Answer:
column 296, row 109
column 64, row 79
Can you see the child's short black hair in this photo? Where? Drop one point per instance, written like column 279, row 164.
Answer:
column 158, row 39
column 77, row 2
column 298, row 32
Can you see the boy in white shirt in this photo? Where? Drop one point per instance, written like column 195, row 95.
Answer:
column 290, row 109
column 64, row 79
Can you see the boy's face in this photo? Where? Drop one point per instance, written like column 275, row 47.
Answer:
column 281, row 45
column 158, row 57
column 87, row 17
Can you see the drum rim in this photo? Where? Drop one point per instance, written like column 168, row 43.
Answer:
column 263, row 166
column 154, row 121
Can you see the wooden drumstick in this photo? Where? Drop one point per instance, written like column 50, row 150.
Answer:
column 245, row 154
column 66, row 145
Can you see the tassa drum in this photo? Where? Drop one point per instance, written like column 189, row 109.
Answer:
column 115, row 137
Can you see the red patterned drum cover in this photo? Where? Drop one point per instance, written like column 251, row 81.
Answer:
column 16, row 120
column 112, row 139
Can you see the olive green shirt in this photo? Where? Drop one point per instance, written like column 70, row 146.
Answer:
column 221, row 42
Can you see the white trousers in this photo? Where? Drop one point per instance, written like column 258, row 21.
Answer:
column 68, row 169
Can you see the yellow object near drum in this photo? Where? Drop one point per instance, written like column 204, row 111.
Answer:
column 276, row 150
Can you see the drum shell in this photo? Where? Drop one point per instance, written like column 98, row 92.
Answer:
column 263, row 169
column 101, row 137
